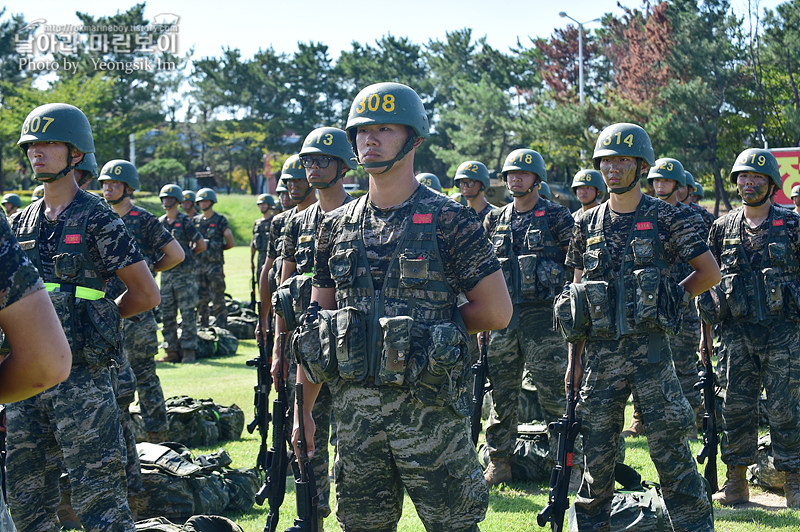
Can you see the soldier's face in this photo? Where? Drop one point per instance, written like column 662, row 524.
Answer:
column 586, row 193
column 695, row 198
column 204, row 204
column 168, row 203
column 618, row 170
column 519, row 181
column 264, row 207
column 297, row 188
column 47, row 157
column 112, row 190
column 752, row 186
column 316, row 174
column 380, row 142
column 9, row 208
column 470, row 188
column 664, row 187
column 683, row 193
column 795, row 200
column 285, row 199
column 187, row 205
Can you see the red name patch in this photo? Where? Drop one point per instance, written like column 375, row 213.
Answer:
column 212, row 225
column 72, row 239
column 177, row 225
column 134, row 213
column 423, row 218
column 776, row 223
column 643, row 226
column 538, row 213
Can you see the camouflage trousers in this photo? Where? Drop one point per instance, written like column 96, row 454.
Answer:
column 684, row 357
column 321, row 459
column 388, row 442
column 75, row 424
column 533, row 343
column 179, row 292
column 211, row 287
column 759, row 357
column 140, row 345
column 6, row 524
column 613, row 369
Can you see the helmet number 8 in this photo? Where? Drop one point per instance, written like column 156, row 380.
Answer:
column 374, row 101
column 33, row 124
column 627, row 140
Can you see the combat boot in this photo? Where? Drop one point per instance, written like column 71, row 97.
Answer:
column 498, row 472
column 170, row 355
column 791, row 488
column 636, row 427
column 188, row 356
column 735, row 490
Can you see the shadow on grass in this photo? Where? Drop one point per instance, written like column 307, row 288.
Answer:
column 764, row 515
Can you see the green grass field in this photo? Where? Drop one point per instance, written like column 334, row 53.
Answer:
column 514, row 508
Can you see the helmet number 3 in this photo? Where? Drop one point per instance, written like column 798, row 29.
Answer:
column 374, row 101
column 627, row 140
column 35, row 123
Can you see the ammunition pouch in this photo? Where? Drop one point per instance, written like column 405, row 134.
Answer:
column 600, row 297
column 571, row 313
column 396, row 350
column 437, row 375
column 292, row 299
column 343, row 342
column 713, row 306
column 733, row 287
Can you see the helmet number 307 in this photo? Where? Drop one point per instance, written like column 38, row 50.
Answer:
column 35, row 123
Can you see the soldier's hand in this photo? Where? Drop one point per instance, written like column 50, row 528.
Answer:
column 277, row 366
column 311, row 428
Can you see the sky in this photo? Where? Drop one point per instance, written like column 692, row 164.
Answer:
column 249, row 25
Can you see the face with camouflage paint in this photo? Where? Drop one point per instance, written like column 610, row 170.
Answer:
column 168, row 203
column 752, row 186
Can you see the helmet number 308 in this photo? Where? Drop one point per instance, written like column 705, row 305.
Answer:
column 375, row 101
column 35, row 123
column 627, row 140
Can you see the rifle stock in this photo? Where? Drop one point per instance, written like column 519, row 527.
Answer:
column 304, row 481
column 567, row 428
column 710, row 433
column 480, row 386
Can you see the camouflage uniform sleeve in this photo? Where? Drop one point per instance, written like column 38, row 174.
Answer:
column 111, row 245
column 322, row 251
column 715, row 236
column 577, row 246
column 274, row 235
column 561, row 224
column 18, row 276
column 290, row 234
column 466, row 251
column 793, row 230
column 156, row 234
column 683, row 241
column 490, row 222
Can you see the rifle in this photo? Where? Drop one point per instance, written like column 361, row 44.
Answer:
column 480, row 386
column 304, row 481
column 710, row 434
column 277, row 458
column 567, row 427
column 261, row 416
column 253, row 290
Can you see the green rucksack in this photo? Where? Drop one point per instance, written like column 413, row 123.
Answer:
column 215, row 342
column 196, row 523
column 530, row 460
column 195, row 422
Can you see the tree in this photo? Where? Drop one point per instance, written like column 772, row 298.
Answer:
column 160, row 172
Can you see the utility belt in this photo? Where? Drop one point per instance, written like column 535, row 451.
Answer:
column 292, row 298
column 733, row 298
column 601, row 308
column 432, row 361
column 80, row 292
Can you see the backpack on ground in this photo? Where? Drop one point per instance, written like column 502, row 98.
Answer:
column 195, row 422
column 215, row 342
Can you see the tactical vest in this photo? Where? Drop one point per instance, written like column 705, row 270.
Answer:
column 534, row 275
column 274, row 277
column 75, row 286
column 410, row 332
column 179, row 232
column 758, row 295
column 212, row 230
column 639, row 298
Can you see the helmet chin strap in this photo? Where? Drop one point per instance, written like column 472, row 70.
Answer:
column 309, row 190
column 623, row 190
column 49, row 177
column 210, row 205
column 665, row 197
column 119, row 199
column 526, row 192
column 339, row 175
column 407, row 147
column 762, row 201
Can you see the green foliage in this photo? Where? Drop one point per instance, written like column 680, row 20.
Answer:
column 160, row 172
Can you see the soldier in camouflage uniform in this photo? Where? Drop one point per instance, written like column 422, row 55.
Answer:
column 283, row 196
column 77, row 244
column 188, row 203
column 260, row 241
column 622, row 251
column 11, row 202
column 430, row 181
column 667, row 178
column 472, row 179
column 211, row 279
column 326, row 155
column 589, row 187
column 530, row 237
column 40, row 357
column 691, row 189
column 395, row 260
column 179, row 284
column 758, row 246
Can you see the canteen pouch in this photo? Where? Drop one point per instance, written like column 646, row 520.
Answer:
column 732, row 286
column 413, row 270
column 343, row 334
column 396, row 349
column 342, row 265
column 595, row 263
column 777, row 254
column 773, row 290
column 436, row 383
column 671, row 306
column 712, row 305
column 528, row 266
column 551, row 278
column 600, row 299
column 571, row 313
column 643, row 251
column 315, row 357
column 646, row 303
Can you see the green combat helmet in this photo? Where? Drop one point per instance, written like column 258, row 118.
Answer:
column 474, row 170
column 57, row 122
column 171, row 191
column 293, row 169
column 759, row 161
column 699, row 191
column 544, row 190
column 189, row 195
column 668, row 168
column 332, row 142
column 690, row 184
column 38, row 192
column 13, row 199
column 624, row 139
column 281, row 187
column 388, row 103
column 525, row 160
column 206, row 194
column 266, row 198
column 589, row 178
column 123, row 171
column 795, row 192
column 88, row 165
column 430, row 181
